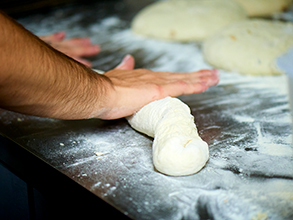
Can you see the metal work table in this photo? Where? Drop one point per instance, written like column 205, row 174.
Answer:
column 245, row 120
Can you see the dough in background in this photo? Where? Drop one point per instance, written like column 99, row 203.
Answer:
column 250, row 46
column 264, row 7
column 186, row 20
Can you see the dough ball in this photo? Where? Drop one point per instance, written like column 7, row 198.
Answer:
column 250, row 46
column 186, row 20
column 264, row 7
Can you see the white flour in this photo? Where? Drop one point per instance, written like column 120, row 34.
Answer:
column 245, row 120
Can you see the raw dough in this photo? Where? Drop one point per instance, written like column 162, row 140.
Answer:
column 177, row 148
column 186, row 20
column 264, row 7
column 250, row 46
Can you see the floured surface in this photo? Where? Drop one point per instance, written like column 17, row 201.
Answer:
column 245, row 121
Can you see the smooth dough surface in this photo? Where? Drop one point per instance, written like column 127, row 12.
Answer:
column 250, row 46
column 177, row 148
column 264, row 7
column 186, row 20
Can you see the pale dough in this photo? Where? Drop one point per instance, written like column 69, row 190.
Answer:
column 264, row 7
column 250, row 46
column 177, row 148
column 186, row 20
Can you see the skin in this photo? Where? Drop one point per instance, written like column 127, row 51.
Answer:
column 76, row 48
column 37, row 79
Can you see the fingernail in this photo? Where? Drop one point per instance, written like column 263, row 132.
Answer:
column 125, row 58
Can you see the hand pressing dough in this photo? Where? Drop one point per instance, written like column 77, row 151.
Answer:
column 264, row 7
column 177, row 148
column 250, row 46
column 186, row 20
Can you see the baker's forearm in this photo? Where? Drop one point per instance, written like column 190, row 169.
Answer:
column 36, row 79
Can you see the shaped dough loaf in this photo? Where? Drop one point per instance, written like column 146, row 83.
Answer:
column 186, row 20
column 177, row 148
column 250, row 47
column 264, row 7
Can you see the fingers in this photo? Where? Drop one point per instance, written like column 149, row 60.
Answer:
column 56, row 37
column 211, row 77
column 131, row 89
column 203, row 80
column 177, row 84
column 77, row 41
column 74, row 47
column 208, row 77
column 176, row 89
column 59, row 36
column 127, row 63
column 78, row 50
column 81, row 46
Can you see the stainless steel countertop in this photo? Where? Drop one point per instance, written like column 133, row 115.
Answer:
column 245, row 120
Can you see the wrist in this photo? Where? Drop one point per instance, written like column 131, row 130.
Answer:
column 102, row 96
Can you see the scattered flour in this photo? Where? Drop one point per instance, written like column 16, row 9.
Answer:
column 245, row 120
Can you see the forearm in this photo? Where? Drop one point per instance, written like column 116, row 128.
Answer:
column 36, row 79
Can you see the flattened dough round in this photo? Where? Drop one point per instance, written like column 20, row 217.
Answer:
column 264, row 7
column 250, row 46
column 186, row 20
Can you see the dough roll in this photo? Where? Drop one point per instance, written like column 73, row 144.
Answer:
column 177, row 148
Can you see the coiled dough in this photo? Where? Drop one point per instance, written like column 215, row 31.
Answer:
column 177, row 148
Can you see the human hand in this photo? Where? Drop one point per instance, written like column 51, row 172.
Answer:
column 75, row 48
column 69, row 90
column 134, row 88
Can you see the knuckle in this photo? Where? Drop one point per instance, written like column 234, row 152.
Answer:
column 182, row 83
column 158, row 90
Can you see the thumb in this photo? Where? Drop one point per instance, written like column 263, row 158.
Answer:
column 127, row 63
